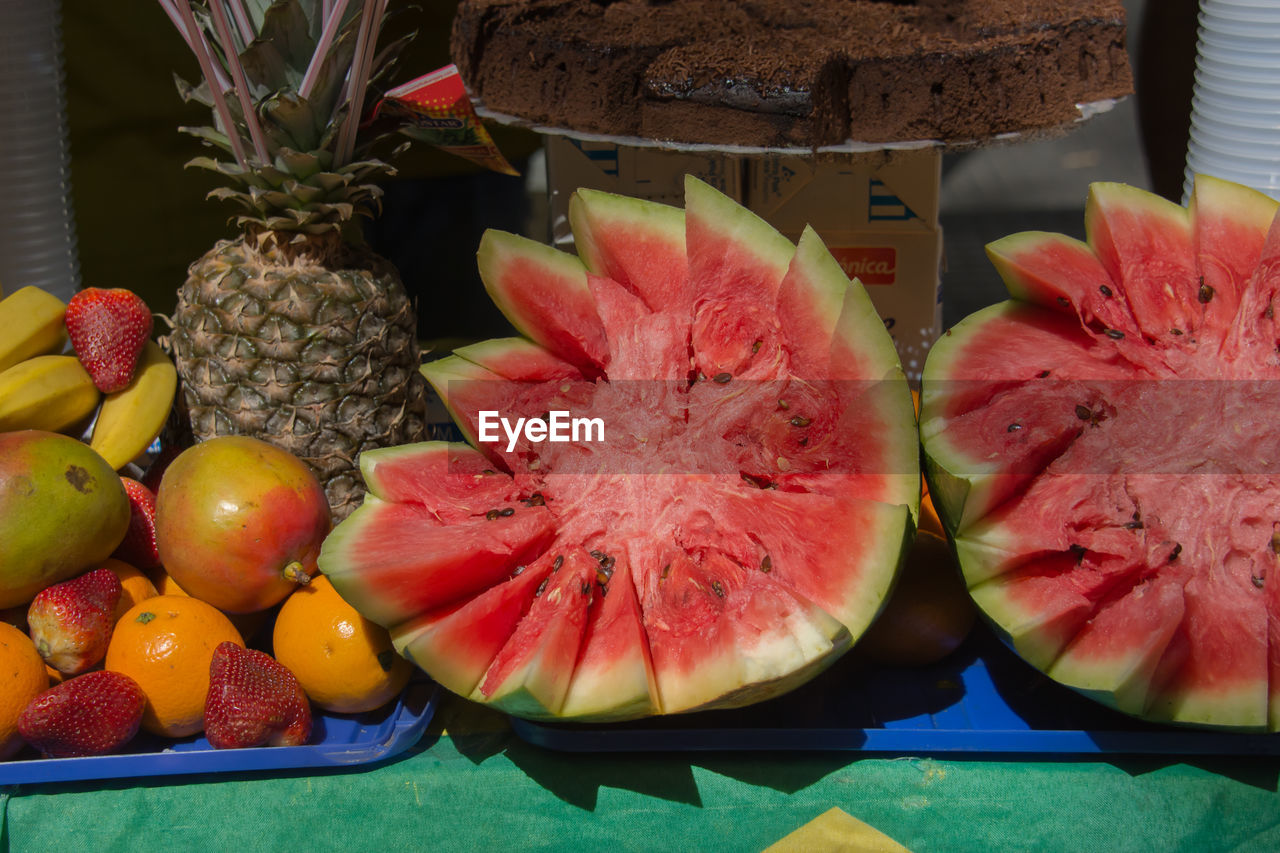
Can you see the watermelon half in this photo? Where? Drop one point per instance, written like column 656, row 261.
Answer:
column 736, row 522
column 1104, row 453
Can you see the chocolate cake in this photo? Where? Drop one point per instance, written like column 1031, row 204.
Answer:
column 792, row 73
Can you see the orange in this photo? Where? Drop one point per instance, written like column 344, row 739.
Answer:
column 134, row 585
column 164, row 584
column 344, row 662
column 929, row 520
column 929, row 613
column 248, row 624
column 22, row 678
column 166, row 644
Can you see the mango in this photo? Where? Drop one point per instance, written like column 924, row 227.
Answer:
column 62, row 510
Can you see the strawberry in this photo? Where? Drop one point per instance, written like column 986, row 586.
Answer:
column 138, row 548
column 108, row 329
column 90, row 714
column 71, row 622
column 253, row 700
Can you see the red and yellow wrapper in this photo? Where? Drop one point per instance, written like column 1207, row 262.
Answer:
column 435, row 109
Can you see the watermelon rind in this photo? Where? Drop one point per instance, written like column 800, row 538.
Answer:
column 1096, row 452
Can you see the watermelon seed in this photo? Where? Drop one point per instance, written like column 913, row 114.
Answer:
column 1206, row 292
column 1177, row 549
column 717, row 588
column 602, row 578
column 1079, row 551
column 488, row 471
column 1083, row 412
column 1042, row 374
column 803, row 440
column 1257, row 581
column 784, row 405
column 723, row 378
column 604, row 590
column 766, row 565
column 607, row 563
column 492, row 515
column 507, row 512
column 1013, row 427
column 586, row 589
column 1275, row 541
column 1062, row 300
column 541, row 587
column 518, row 571
column 1175, row 331
column 1270, row 312
column 666, row 570
column 755, row 347
column 800, row 421
column 1133, row 525
column 1114, row 334
column 597, row 555
column 535, row 499
column 559, row 561
column 1106, row 291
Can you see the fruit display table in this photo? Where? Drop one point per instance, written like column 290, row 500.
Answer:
column 479, row 787
column 472, row 782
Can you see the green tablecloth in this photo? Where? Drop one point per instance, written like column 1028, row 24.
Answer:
column 487, row 789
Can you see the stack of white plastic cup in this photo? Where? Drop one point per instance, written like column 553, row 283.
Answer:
column 37, row 229
column 1235, row 106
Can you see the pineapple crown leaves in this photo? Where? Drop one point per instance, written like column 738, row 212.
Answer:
column 287, row 81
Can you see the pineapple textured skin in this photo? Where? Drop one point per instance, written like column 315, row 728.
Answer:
column 308, row 344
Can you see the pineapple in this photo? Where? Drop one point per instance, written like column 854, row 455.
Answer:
column 294, row 331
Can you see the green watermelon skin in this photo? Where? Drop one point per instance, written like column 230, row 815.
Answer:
column 1101, row 451
column 740, row 526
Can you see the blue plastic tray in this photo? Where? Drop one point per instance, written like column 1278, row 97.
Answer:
column 982, row 699
column 337, row 741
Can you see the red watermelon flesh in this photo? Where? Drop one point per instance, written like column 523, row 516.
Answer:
column 739, row 523
column 457, row 643
column 1114, row 511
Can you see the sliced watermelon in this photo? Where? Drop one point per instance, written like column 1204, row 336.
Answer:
column 518, row 359
column 1113, row 497
column 637, row 243
column 1145, row 243
column 544, row 294
column 457, row 644
column 531, row 673
column 739, row 522
column 371, row 568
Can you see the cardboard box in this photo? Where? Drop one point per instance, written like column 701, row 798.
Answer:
column 878, row 214
column 649, row 173
column 876, row 211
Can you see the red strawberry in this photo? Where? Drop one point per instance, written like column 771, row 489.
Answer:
column 253, row 700
column 108, row 329
column 90, row 714
column 71, row 622
column 138, row 548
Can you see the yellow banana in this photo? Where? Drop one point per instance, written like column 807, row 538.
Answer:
column 132, row 417
column 32, row 322
column 50, row 392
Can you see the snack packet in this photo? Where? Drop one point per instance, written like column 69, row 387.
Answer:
column 435, row 109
